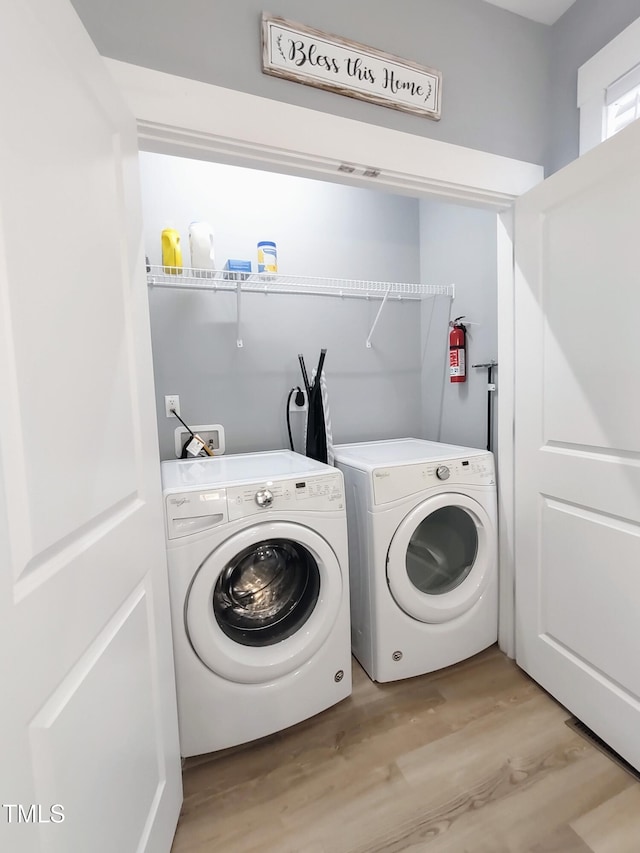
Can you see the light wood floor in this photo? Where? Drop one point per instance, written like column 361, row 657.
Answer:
column 473, row 759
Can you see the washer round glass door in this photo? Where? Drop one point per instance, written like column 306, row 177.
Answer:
column 441, row 558
column 264, row 601
column 267, row 592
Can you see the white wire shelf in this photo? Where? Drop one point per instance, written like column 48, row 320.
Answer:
column 239, row 283
column 221, row 280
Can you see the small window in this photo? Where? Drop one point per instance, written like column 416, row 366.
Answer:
column 609, row 88
column 623, row 102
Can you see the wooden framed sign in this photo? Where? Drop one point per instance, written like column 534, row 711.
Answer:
column 306, row 55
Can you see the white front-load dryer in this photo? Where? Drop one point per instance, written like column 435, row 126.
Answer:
column 257, row 560
column 423, row 554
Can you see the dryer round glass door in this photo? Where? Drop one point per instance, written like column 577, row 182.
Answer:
column 441, row 558
column 442, row 550
column 264, row 601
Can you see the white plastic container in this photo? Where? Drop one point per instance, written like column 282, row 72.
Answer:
column 201, row 246
column 267, row 257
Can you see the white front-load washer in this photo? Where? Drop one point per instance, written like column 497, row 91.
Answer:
column 257, row 560
column 423, row 554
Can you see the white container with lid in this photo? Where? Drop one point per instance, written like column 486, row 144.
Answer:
column 201, row 246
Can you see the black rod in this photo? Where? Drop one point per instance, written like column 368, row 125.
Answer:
column 489, row 365
column 305, row 377
column 323, row 353
column 489, row 407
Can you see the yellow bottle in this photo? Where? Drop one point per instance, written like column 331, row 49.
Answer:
column 171, row 251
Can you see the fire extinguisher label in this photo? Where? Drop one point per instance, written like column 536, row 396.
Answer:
column 456, row 362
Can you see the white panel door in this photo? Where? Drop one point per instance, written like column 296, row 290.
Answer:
column 87, row 716
column 577, row 380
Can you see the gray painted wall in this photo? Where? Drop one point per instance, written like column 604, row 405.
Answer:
column 321, row 229
column 581, row 32
column 494, row 63
column 458, row 245
column 509, row 84
column 518, row 100
column 399, row 387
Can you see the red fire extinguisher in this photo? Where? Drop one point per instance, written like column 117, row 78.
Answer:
column 458, row 351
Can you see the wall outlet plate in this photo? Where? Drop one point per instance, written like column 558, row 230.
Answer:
column 213, row 434
column 294, row 408
column 171, row 401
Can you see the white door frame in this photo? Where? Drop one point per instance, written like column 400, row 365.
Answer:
column 198, row 120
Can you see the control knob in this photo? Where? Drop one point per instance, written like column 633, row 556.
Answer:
column 442, row 472
column 264, row 497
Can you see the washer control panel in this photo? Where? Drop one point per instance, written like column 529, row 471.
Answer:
column 400, row 481
column 316, row 492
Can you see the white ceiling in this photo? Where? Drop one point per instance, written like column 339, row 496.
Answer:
column 543, row 11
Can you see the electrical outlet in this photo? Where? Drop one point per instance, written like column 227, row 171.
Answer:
column 172, row 401
column 292, row 404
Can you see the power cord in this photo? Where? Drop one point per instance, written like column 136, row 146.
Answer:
column 299, row 402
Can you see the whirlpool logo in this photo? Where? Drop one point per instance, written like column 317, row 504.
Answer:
column 178, row 501
column 382, row 474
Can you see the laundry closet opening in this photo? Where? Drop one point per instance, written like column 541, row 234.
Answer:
column 397, row 387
